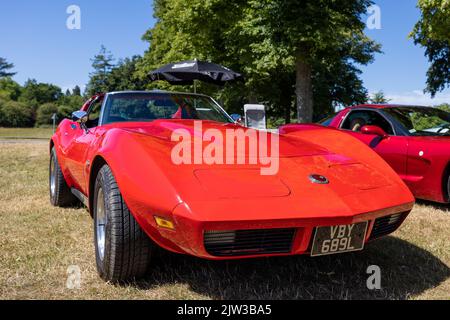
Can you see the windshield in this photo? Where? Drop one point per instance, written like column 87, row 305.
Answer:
column 144, row 107
column 422, row 121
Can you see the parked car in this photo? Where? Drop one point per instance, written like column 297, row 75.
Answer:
column 414, row 140
column 115, row 155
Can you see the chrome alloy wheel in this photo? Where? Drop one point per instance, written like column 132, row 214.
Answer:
column 52, row 177
column 100, row 223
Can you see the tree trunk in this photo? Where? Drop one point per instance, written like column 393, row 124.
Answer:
column 304, row 90
column 287, row 114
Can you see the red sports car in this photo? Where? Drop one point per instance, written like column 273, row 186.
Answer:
column 330, row 194
column 415, row 141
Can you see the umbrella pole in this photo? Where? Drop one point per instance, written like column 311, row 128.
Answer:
column 195, row 86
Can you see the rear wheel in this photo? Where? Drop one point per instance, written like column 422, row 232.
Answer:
column 122, row 249
column 60, row 194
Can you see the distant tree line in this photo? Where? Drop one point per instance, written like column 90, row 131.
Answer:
column 34, row 103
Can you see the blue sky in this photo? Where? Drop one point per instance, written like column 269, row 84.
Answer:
column 34, row 36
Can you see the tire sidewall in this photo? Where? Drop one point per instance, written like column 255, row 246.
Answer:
column 102, row 265
column 448, row 188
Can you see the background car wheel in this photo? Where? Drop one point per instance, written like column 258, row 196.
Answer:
column 60, row 194
column 448, row 187
column 122, row 249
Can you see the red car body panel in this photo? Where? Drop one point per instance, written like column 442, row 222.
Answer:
column 422, row 162
column 199, row 198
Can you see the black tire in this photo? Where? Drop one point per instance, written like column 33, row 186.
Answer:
column 60, row 194
column 448, row 188
column 126, row 248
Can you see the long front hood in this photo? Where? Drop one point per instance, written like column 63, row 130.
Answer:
column 166, row 132
column 239, row 192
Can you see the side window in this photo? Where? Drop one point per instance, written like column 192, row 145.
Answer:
column 360, row 118
column 94, row 113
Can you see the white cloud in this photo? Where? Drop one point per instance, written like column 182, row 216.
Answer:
column 417, row 97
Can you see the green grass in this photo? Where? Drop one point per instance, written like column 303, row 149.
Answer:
column 39, row 242
column 26, row 133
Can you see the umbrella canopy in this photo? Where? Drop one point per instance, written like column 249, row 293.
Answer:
column 185, row 72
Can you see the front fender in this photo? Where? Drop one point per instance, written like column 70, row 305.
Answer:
column 140, row 177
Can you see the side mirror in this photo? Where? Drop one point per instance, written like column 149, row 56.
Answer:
column 236, row 118
column 374, row 130
column 80, row 117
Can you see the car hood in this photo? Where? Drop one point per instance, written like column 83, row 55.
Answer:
column 165, row 129
column 298, row 160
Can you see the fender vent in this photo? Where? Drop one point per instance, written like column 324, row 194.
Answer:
column 387, row 225
column 248, row 242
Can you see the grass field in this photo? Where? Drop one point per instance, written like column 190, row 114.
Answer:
column 25, row 133
column 38, row 243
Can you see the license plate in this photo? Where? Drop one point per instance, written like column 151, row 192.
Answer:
column 339, row 239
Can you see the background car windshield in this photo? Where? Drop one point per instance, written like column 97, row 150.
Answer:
column 144, row 107
column 422, row 121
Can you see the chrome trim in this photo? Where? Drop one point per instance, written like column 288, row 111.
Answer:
column 318, row 179
column 102, row 112
column 80, row 196
column 53, row 176
column 101, row 219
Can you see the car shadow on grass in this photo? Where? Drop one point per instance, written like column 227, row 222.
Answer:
column 407, row 270
column 438, row 206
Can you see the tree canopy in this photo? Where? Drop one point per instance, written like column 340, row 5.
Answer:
column 102, row 63
column 433, row 32
column 285, row 48
column 36, row 94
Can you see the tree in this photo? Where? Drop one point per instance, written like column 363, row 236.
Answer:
column 9, row 89
column 432, row 32
column 102, row 64
column 14, row 114
column 36, row 94
column 76, row 91
column 286, row 44
column 123, row 76
column 4, row 67
column 44, row 114
column 379, row 98
column 71, row 103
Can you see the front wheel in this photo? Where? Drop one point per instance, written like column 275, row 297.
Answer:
column 122, row 249
column 60, row 194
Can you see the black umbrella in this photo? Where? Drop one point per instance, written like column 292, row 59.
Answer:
column 186, row 72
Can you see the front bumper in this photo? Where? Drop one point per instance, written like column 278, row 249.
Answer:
column 189, row 236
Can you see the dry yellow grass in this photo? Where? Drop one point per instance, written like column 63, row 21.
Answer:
column 38, row 243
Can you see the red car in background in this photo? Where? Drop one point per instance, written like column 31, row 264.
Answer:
column 115, row 156
column 414, row 140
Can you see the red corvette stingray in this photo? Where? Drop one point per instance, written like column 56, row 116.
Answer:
column 331, row 193
column 415, row 141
